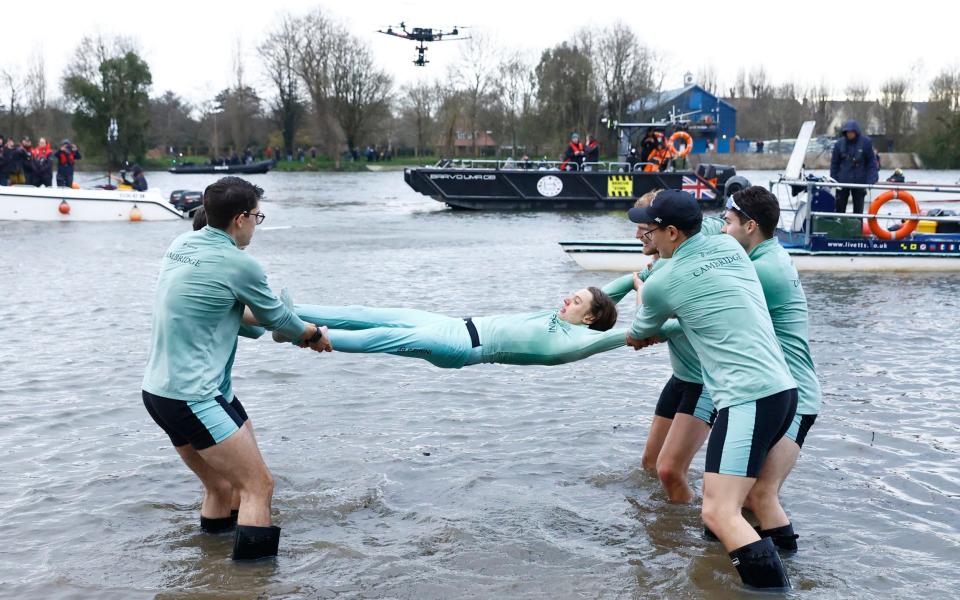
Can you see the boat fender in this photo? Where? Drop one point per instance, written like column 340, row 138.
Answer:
column 64, row 208
column 735, row 184
column 907, row 228
column 687, row 141
column 135, row 214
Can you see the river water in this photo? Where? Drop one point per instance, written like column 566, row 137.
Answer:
column 396, row 479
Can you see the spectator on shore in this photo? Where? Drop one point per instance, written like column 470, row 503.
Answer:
column 854, row 161
column 313, row 153
column 66, row 156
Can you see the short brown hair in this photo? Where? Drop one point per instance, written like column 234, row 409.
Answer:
column 758, row 203
column 603, row 309
column 227, row 198
column 645, row 200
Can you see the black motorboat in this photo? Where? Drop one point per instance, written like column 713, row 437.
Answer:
column 242, row 169
column 507, row 185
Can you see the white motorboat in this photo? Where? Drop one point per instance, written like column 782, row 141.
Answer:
column 819, row 239
column 624, row 256
column 28, row 203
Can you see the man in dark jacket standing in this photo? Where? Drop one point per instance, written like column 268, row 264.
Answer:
column 66, row 157
column 8, row 161
column 853, row 161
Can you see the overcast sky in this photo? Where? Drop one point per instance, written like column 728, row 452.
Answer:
column 190, row 45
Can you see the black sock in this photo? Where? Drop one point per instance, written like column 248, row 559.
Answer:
column 253, row 542
column 219, row 525
column 759, row 565
column 783, row 537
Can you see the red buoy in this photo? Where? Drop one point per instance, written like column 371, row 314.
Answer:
column 64, row 208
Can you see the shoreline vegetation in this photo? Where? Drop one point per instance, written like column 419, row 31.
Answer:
column 496, row 99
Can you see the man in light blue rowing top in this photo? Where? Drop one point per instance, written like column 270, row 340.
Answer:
column 205, row 282
column 711, row 287
column 751, row 219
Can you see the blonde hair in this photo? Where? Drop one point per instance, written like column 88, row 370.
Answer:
column 645, row 200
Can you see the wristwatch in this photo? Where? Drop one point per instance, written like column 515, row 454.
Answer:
column 316, row 337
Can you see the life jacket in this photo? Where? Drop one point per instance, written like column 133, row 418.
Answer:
column 42, row 152
column 66, row 158
column 572, row 150
column 658, row 159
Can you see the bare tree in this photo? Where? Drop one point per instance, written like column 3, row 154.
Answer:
column 759, row 83
column 450, row 105
column 739, row 88
column 625, row 68
column 945, row 89
column 707, row 78
column 318, row 37
column 857, row 107
column 476, row 67
column 420, row 104
column 14, row 109
column 516, row 94
column 821, row 107
column 279, row 53
column 359, row 92
column 894, row 108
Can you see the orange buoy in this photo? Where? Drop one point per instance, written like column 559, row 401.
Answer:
column 908, row 227
column 75, row 186
column 687, row 141
column 64, row 208
column 135, row 214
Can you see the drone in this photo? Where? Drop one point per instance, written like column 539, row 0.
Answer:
column 422, row 35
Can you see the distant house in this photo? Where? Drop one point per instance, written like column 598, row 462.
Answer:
column 712, row 120
column 463, row 145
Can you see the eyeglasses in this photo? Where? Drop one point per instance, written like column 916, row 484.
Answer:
column 647, row 234
column 258, row 216
column 732, row 204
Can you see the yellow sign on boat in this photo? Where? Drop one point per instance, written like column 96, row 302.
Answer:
column 619, row 186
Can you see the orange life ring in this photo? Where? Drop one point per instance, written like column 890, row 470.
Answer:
column 882, row 199
column 687, row 140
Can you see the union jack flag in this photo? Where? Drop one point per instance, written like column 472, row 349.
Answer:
column 697, row 188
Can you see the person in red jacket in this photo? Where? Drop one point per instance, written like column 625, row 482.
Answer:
column 42, row 164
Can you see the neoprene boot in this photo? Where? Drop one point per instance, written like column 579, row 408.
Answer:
column 253, row 542
column 234, row 514
column 209, row 525
column 783, row 537
column 759, row 565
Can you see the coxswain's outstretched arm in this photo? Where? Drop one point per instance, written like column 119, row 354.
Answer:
column 579, row 343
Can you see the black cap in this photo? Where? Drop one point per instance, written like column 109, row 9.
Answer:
column 669, row 207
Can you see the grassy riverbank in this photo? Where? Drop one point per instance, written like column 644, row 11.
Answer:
column 99, row 163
